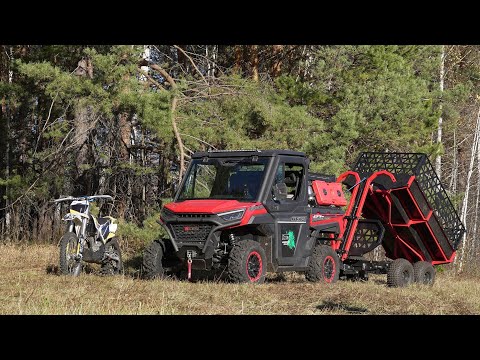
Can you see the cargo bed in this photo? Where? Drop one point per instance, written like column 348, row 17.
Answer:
column 402, row 192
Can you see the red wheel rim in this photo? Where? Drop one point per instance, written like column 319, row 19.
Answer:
column 328, row 269
column 254, row 266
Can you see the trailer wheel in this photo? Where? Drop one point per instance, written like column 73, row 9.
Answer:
column 247, row 262
column 152, row 261
column 400, row 273
column 424, row 273
column 324, row 265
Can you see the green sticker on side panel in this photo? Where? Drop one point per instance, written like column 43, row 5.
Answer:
column 291, row 240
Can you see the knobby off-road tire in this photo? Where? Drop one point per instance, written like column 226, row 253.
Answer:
column 152, row 261
column 68, row 248
column 112, row 267
column 247, row 262
column 424, row 273
column 324, row 265
column 400, row 273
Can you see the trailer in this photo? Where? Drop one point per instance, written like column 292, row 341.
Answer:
column 398, row 203
column 253, row 211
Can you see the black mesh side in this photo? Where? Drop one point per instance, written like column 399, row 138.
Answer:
column 368, row 236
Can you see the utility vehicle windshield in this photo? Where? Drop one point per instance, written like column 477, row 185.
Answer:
column 237, row 179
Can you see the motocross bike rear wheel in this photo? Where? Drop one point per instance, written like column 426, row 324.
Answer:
column 112, row 266
column 69, row 265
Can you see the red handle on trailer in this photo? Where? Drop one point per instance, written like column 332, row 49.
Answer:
column 348, row 238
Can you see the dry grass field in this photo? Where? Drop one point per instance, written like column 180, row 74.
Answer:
column 29, row 284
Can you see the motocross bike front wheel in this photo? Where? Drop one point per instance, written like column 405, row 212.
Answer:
column 69, row 265
column 113, row 263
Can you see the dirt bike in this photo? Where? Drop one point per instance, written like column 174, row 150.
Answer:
column 88, row 238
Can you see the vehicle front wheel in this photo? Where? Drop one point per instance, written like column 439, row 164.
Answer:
column 68, row 251
column 247, row 263
column 152, row 261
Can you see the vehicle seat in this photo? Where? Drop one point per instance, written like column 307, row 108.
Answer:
column 291, row 180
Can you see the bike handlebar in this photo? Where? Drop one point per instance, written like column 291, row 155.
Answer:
column 89, row 198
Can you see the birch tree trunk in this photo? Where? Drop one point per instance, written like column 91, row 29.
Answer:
column 453, row 180
column 438, row 159
column 463, row 216
column 214, row 59
column 254, row 62
column 477, row 199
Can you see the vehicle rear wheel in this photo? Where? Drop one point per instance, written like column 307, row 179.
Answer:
column 424, row 273
column 400, row 273
column 152, row 260
column 247, row 262
column 324, row 265
column 112, row 266
column 68, row 251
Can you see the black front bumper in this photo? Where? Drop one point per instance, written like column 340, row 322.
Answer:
column 198, row 234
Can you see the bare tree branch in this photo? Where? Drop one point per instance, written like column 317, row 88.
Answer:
column 204, row 142
column 192, row 62
column 174, row 86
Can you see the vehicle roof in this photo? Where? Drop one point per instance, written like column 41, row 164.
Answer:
column 235, row 153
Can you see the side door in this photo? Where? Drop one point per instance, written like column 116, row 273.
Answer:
column 290, row 210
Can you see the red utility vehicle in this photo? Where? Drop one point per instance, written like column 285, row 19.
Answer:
column 247, row 212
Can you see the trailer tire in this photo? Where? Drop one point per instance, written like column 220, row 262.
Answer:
column 247, row 263
column 152, row 261
column 424, row 273
column 324, row 265
column 400, row 273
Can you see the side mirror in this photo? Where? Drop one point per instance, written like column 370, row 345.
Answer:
column 280, row 191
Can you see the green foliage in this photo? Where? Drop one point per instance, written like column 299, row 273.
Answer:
column 331, row 102
column 141, row 235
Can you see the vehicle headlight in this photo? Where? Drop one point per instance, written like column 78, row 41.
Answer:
column 232, row 215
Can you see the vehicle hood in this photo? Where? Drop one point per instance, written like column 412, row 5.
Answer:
column 207, row 206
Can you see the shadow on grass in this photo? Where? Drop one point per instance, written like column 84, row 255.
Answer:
column 277, row 278
column 380, row 281
column 133, row 266
column 52, row 269
column 328, row 305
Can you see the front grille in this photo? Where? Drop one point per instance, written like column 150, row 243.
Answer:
column 191, row 232
column 192, row 215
